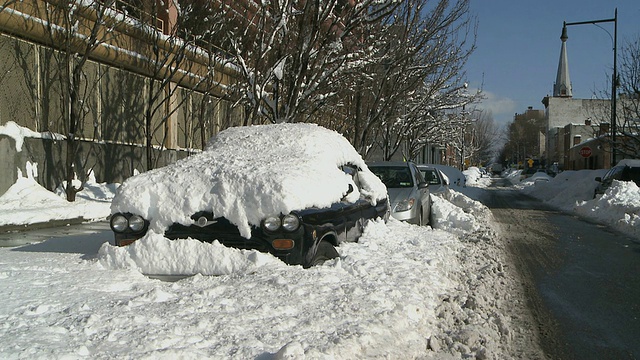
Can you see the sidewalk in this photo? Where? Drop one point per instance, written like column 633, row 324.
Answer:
column 20, row 235
column 43, row 225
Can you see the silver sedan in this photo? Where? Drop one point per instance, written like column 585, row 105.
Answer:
column 408, row 191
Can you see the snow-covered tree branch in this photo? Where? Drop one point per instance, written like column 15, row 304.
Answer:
column 292, row 55
column 414, row 75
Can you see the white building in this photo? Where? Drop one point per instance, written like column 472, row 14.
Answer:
column 561, row 109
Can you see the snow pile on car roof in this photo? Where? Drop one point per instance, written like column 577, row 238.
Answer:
column 248, row 173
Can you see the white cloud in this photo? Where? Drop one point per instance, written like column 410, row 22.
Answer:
column 502, row 108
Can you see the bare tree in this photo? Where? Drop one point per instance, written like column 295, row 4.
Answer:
column 291, row 54
column 76, row 29
column 167, row 64
column 627, row 123
column 205, row 23
column 413, row 78
column 481, row 138
column 628, row 143
column 183, row 73
column 522, row 140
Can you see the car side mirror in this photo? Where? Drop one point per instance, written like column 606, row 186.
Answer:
column 423, row 185
column 598, row 179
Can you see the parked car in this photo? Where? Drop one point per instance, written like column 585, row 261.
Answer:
column 527, row 172
column 496, row 169
column 408, row 191
column 456, row 177
column 625, row 170
column 294, row 190
column 437, row 180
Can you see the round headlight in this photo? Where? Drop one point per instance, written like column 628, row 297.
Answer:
column 272, row 223
column 202, row 221
column 119, row 223
column 136, row 223
column 290, row 222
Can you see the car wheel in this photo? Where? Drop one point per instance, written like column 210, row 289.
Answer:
column 324, row 252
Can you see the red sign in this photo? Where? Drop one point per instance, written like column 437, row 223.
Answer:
column 585, row 151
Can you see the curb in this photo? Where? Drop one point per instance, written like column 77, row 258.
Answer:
column 43, row 225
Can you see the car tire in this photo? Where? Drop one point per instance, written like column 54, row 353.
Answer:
column 324, row 252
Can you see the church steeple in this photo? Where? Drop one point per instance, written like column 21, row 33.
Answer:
column 562, row 87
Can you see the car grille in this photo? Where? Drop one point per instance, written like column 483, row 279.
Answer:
column 222, row 230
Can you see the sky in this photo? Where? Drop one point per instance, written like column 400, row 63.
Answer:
column 518, row 49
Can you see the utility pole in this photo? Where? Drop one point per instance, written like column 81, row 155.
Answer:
column 614, row 78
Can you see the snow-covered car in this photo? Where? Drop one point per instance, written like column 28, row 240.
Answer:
column 294, row 190
column 527, row 172
column 437, row 180
column 496, row 169
column 625, row 170
column 408, row 191
column 456, row 177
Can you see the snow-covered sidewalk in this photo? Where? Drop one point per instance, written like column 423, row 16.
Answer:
column 27, row 203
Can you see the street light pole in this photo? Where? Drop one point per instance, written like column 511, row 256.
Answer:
column 614, row 78
column 462, row 138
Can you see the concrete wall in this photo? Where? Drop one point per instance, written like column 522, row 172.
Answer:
column 8, row 160
column 112, row 122
column 563, row 111
column 111, row 163
column 600, row 157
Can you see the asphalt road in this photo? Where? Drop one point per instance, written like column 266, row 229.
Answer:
column 581, row 279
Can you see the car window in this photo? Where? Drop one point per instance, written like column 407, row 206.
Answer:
column 430, row 176
column 607, row 176
column 353, row 172
column 614, row 173
column 632, row 174
column 393, row 176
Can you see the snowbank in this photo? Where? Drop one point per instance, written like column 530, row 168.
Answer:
column 474, row 177
column 573, row 191
column 27, row 202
